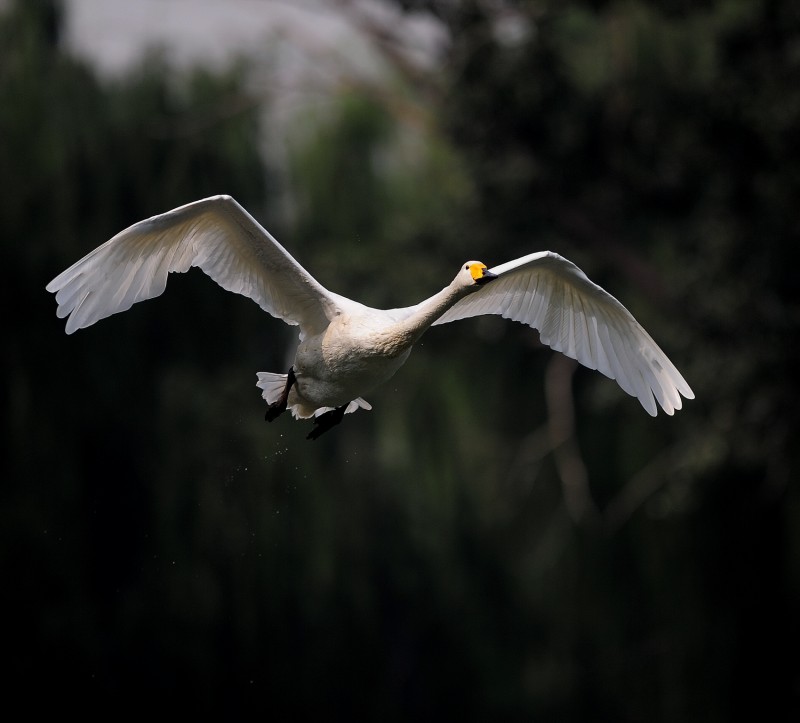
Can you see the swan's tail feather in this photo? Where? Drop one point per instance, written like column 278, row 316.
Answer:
column 356, row 404
column 272, row 385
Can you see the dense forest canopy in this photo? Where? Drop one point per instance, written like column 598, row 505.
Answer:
column 504, row 536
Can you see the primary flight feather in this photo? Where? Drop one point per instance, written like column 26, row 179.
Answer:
column 347, row 349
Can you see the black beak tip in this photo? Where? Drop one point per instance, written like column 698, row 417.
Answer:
column 487, row 276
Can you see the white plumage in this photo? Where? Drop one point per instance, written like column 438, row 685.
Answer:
column 346, row 348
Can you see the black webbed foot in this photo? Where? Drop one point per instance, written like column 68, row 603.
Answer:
column 326, row 421
column 275, row 410
column 278, row 407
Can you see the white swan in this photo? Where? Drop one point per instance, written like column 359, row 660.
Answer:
column 347, row 349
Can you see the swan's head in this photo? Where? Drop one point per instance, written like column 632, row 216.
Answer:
column 475, row 273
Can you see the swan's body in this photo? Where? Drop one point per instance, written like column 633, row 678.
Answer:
column 347, row 349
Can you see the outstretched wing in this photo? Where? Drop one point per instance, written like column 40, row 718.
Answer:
column 580, row 319
column 215, row 234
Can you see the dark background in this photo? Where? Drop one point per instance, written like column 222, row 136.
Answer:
column 503, row 537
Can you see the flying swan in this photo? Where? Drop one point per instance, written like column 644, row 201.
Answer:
column 347, row 349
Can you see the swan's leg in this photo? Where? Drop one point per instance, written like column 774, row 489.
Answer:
column 324, row 422
column 278, row 407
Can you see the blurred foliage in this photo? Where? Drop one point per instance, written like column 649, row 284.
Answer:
column 361, row 182
column 503, row 537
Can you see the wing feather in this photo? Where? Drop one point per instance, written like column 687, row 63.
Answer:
column 580, row 319
column 215, row 234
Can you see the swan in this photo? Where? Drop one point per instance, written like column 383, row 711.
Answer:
column 347, row 349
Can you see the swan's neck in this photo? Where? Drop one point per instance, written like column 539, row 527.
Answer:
column 419, row 318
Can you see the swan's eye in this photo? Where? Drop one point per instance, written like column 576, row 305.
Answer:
column 466, row 267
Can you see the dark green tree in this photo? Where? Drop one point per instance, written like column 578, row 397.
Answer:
column 656, row 144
